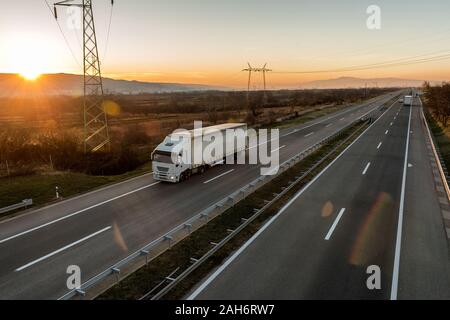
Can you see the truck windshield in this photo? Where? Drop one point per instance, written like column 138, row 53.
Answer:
column 164, row 157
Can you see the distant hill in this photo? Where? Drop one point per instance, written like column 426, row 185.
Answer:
column 71, row 84
column 351, row 82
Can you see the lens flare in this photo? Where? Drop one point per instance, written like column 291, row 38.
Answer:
column 111, row 108
column 118, row 238
column 327, row 209
column 371, row 236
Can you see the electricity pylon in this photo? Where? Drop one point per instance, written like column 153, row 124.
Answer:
column 96, row 133
column 250, row 69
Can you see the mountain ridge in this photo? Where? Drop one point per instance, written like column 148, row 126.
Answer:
column 72, row 84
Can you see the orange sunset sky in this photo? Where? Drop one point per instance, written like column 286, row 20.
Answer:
column 210, row 42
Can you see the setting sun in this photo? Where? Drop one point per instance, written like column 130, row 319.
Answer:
column 30, row 75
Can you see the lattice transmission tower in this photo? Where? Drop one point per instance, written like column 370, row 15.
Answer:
column 250, row 69
column 96, row 132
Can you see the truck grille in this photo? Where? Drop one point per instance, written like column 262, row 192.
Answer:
column 162, row 169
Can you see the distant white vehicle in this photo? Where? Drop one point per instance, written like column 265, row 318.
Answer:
column 168, row 164
column 407, row 100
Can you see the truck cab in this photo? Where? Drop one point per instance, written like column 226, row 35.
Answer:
column 166, row 160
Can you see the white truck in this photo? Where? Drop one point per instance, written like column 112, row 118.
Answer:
column 407, row 100
column 173, row 159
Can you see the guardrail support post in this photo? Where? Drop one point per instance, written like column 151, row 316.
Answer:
column 80, row 292
column 116, row 271
column 188, row 226
column 145, row 253
column 168, row 238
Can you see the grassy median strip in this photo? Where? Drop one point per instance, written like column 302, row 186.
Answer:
column 441, row 137
column 179, row 257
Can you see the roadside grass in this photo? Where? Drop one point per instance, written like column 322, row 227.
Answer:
column 41, row 187
column 198, row 243
column 441, row 136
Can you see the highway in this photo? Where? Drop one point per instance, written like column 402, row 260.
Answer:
column 100, row 228
column 375, row 205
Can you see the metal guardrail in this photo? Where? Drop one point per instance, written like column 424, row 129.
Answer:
column 439, row 160
column 25, row 203
column 161, row 244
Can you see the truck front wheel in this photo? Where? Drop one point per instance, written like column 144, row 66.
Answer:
column 185, row 175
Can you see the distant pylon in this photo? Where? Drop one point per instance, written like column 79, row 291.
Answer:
column 250, row 69
column 96, row 132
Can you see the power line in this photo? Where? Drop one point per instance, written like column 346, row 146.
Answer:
column 108, row 34
column 380, row 65
column 355, row 53
column 63, row 35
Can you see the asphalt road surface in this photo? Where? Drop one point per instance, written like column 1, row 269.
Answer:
column 100, row 228
column 376, row 205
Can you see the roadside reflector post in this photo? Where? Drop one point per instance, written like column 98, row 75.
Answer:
column 80, row 292
column 168, row 238
column 145, row 253
column 116, row 271
column 188, row 226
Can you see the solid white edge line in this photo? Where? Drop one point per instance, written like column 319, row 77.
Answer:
column 76, row 213
column 62, row 249
column 220, row 175
column 277, row 149
column 335, row 223
column 268, row 223
column 398, row 242
column 366, row 168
